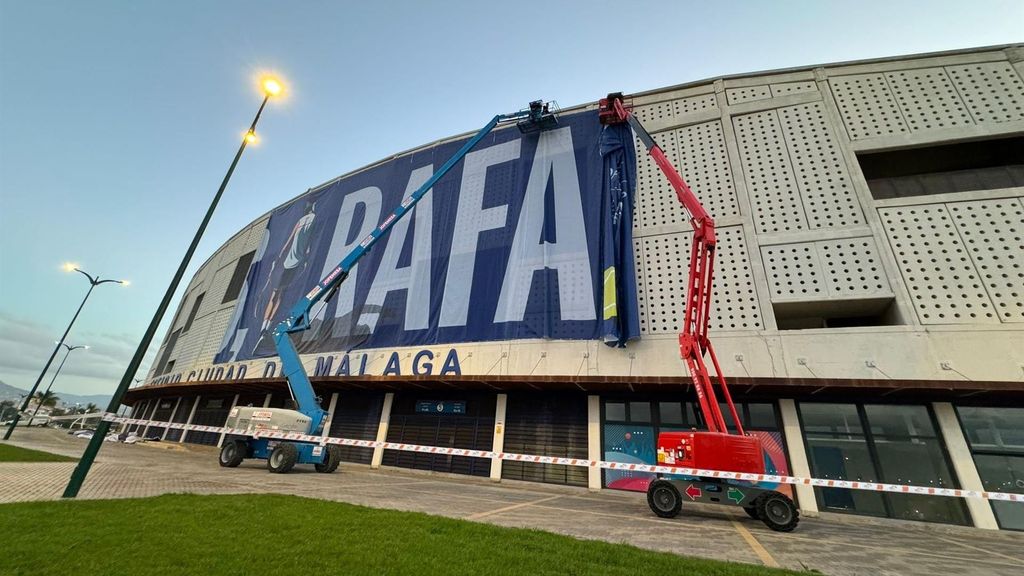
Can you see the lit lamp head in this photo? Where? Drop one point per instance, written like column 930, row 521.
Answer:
column 250, row 137
column 271, row 86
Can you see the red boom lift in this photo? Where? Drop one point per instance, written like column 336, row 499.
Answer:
column 716, row 448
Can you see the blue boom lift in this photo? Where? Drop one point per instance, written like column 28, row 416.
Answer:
column 281, row 456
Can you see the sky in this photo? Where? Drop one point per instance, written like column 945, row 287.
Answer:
column 118, row 119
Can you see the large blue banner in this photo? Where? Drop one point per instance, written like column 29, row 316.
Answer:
column 528, row 237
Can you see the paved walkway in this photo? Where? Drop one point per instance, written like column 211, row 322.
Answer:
column 834, row 544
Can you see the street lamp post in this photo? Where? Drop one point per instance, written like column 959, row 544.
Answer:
column 94, row 281
column 39, row 404
column 271, row 87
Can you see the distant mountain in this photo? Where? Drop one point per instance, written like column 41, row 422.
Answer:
column 8, row 392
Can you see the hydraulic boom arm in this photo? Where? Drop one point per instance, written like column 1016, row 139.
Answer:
column 534, row 119
column 693, row 338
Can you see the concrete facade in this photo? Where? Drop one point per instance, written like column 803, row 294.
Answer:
column 818, row 278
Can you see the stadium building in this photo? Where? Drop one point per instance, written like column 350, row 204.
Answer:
column 868, row 306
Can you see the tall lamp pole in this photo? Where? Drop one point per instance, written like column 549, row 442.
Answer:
column 94, row 281
column 39, row 404
column 271, row 87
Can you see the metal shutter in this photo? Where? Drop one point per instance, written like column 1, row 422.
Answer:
column 474, row 430
column 546, row 425
column 357, row 416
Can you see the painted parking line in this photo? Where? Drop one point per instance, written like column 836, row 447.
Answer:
column 480, row 515
column 756, row 546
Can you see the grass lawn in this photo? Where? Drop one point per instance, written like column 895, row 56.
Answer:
column 276, row 534
column 10, row 453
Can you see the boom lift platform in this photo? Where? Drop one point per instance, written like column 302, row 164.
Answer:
column 282, row 456
column 716, row 448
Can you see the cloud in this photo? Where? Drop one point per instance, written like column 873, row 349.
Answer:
column 25, row 345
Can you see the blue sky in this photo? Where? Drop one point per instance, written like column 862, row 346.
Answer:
column 118, row 119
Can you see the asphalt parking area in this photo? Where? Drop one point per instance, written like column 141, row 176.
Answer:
column 837, row 545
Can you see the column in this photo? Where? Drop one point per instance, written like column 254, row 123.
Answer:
column 149, row 420
column 139, row 407
column 963, row 465
column 330, row 414
column 797, row 457
column 266, row 401
column 171, row 419
column 594, row 441
column 499, row 436
column 220, row 440
column 191, row 415
column 382, row 429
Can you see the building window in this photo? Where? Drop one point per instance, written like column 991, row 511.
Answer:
column 238, row 277
column 961, row 167
column 639, row 411
column 879, row 443
column 163, row 366
column 615, row 411
column 192, row 314
column 996, row 438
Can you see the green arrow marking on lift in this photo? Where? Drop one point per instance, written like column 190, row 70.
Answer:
column 736, row 495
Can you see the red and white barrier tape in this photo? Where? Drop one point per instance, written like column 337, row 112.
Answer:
column 770, row 478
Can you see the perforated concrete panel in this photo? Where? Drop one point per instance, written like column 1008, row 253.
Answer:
column 993, row 91
column 694, row 104
column 666, row 259
column 825, row 269
column 852, row 267
column 190, row 344
column 218, row 324
column 699, row 154
column 735, row 304
column 993, row 232
column 936, row 266
column 230, row 251
column 794, row 272
column 747, row 94
column 772, row 187
column 660, row 111
column 927, row 99
column 671, row 110
column 705, row 167
column 824, row 182
column 218, row 287
column 666, row 270
column 255, row 237
column 652, row 187
column 793, row 88
column 641, row 288
column 867, row 106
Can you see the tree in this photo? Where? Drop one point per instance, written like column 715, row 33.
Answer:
column 5, row 406
column 47, row 398
column 90, row 408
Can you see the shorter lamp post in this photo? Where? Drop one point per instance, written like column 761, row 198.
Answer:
column 39, row 404
column 94, row 281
